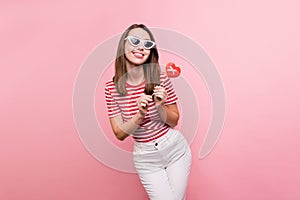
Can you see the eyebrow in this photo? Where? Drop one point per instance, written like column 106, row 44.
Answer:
column 139, row 37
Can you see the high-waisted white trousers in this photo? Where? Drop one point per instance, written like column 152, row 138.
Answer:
column 163, row 166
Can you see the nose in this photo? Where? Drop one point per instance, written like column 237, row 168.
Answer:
column 140, row 47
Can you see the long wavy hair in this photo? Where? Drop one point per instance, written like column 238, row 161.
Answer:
column 151, row 66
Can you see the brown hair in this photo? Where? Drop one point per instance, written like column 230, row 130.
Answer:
column 151, row 66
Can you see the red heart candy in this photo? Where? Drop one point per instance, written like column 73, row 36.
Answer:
column 172, row 70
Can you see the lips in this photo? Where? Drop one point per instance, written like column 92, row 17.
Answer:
column 138, row 54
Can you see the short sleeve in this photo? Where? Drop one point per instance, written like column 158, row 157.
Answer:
column 167, row 84
column 112, row 107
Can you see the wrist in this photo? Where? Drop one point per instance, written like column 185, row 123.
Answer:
column 159, row 105
column 140, row 115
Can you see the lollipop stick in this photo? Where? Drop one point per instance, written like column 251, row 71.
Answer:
column 144, row 106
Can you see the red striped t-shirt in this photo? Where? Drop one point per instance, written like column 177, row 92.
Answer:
column 152, row 126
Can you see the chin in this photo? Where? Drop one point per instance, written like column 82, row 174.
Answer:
column 137, row 62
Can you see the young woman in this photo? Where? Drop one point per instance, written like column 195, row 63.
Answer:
column 141, row 102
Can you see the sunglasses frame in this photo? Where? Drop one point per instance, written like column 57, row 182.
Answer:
column 141, row 41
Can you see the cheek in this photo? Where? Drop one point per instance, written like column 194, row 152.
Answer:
column 128, row 55
column 147, row 54
column 127, row 51
column 128, row 48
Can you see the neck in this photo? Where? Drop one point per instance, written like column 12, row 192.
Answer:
column 135, row 74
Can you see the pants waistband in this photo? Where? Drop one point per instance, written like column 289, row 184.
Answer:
column 158, row 143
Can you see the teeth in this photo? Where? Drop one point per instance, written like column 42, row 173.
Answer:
column 139, row 54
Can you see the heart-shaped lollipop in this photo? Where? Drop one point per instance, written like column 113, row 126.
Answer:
column 172, row 70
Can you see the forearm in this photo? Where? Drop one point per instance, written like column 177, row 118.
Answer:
column 124, row 129
column 168, row 115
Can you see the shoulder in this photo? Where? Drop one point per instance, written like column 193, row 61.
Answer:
column 109, row 84
column 163, row 77
column 110, row 87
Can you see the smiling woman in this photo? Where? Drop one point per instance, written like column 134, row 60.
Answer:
column 135, row 49
column 142, row 103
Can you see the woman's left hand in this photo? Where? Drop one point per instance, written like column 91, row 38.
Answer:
column 160, row 95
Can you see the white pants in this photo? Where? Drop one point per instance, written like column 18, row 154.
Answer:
column 163, row 166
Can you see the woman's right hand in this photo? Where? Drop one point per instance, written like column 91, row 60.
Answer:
column 143, row 103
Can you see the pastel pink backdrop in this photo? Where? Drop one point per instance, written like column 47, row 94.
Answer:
column 254, row 45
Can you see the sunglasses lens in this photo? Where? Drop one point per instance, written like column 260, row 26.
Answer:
column 148, row 44
column 134, row 41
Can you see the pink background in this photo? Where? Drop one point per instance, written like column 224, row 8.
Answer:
column 254, row 44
